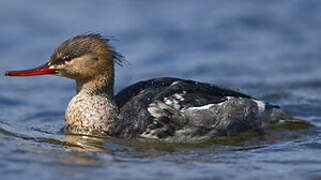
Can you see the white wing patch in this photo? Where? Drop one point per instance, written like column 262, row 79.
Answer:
column 150, row 134
column 175, row 82
column 261, row 105
column 208, row 106
column 179, row 96
column 175, row 100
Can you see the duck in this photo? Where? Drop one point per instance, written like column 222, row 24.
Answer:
column 166, row 108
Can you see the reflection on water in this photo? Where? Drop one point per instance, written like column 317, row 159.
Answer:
column 84, row 143
column 69, row 151
column 247, row 141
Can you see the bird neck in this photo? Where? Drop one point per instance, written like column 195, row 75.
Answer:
column 102, row 84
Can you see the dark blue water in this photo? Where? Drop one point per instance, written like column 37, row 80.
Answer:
column 270, row 49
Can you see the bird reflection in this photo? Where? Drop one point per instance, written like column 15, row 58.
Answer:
column 83, row 143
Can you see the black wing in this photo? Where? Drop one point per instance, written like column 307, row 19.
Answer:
column 134, row 100
column 197, row 93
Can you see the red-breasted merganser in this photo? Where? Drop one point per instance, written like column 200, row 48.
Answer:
column 169, row 109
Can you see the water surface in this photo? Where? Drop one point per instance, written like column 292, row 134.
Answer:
column 268, row 49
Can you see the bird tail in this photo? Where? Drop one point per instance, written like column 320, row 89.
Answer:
column 278, row 117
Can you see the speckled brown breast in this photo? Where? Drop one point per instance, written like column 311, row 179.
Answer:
column 91, row 114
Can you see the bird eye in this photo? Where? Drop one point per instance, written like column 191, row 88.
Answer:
column 67, row 58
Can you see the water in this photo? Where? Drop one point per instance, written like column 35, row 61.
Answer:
column 270, row 49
